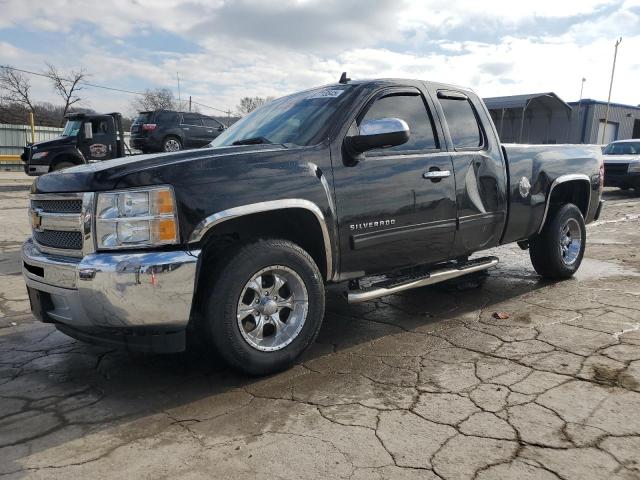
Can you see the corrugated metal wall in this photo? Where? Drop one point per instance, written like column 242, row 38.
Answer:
column 594, row 113
column 13, row 138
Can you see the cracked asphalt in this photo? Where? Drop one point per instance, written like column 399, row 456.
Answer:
column 422, row 385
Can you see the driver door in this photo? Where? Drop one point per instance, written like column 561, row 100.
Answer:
column 391, row 215
column 102, row 144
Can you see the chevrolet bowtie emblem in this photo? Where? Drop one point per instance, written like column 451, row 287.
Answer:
column 36, row 220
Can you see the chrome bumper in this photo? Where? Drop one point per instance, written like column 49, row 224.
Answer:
column 112, row 290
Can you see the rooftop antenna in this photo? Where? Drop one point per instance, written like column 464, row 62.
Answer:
column 343, row 78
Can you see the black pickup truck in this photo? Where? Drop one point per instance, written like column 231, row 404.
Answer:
column 380, row 186
column 86, row 138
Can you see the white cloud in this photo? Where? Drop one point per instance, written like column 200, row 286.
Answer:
column 272, row 48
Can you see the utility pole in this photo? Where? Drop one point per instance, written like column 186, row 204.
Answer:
column 613, row 71
column 229, row 118
column 580, row 106
column 189, row 103
column 179, row 98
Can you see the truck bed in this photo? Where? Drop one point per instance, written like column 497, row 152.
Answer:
column 541, row 166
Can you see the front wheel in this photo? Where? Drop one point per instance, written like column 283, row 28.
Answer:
column 557, row 252
column 265, row 306
column 62, row 166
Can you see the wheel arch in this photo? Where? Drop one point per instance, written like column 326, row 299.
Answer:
column 573, row 188
column 65, row 157
column 298, row 220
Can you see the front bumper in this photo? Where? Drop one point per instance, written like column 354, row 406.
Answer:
column 622, row 180
column 139, row 301
column 35, row 170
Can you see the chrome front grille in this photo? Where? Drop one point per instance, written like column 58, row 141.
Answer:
column 59, row 239
column 58, row 206
column 61, row 223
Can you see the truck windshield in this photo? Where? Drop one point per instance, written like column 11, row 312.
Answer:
column 72, row 128
column 300, row 119
column 622, row 148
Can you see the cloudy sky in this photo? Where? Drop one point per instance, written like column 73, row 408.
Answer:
column 226, row 49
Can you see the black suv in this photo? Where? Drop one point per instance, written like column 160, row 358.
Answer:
column 169, row 131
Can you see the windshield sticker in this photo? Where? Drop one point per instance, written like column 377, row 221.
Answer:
column 330, row 93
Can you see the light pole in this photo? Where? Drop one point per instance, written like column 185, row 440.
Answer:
column 613, row 71
column 580, row 106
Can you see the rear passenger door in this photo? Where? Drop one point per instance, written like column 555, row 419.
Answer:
column 193, row 130
column 480, row 175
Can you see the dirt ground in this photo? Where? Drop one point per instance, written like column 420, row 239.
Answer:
column 427, row 384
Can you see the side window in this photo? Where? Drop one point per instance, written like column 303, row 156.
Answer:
column 411, row 109
column 210, row 122
column 461, row 120
column 191, row 119
column 99, row 127
column 166, row 118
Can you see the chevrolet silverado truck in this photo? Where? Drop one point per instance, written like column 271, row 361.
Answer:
column 380, row 186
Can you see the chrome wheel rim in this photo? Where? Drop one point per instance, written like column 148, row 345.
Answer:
column 570, row 241
column 171, row 145
column 272, row 308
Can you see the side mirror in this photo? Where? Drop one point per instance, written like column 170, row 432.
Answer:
column 380, row 133
column 221, row 128
column 88, row 131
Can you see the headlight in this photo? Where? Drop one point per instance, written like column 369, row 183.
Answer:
column 634, row 167
column 38, row 155
column 136, row 218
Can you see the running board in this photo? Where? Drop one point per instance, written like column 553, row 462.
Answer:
column 434, row 276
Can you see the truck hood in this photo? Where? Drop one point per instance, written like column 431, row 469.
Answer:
column 175, row 168
column 53, row 143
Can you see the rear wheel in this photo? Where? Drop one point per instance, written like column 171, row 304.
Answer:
column 557, row 252
column 265, row 306
column 171, row 144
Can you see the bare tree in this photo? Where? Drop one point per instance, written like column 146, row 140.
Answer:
column 66, row 87
column 158, row 99
column 16, row 88
column 249, row 104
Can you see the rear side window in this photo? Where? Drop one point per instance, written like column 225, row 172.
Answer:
column 143, row 117
column 191, row 119
column 167, row 117
column 412, row 109
column 461, row 120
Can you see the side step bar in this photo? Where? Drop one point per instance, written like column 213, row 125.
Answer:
column 434, row 276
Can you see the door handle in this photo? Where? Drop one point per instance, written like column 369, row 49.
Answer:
column 436, row 174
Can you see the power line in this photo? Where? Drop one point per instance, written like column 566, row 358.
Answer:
column 104, row 87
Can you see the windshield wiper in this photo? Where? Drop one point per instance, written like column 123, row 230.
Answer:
column 251, row 141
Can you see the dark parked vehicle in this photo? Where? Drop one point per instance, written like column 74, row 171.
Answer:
column 169, row 131
column 346, row 183
column 86, row 138
column 622, row 164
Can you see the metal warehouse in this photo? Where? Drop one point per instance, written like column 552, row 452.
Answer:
column 546, row 118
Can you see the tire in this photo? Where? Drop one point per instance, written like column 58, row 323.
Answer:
column 237, row 336
column 551, row 255
column 171, row 144
column 62, row 165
